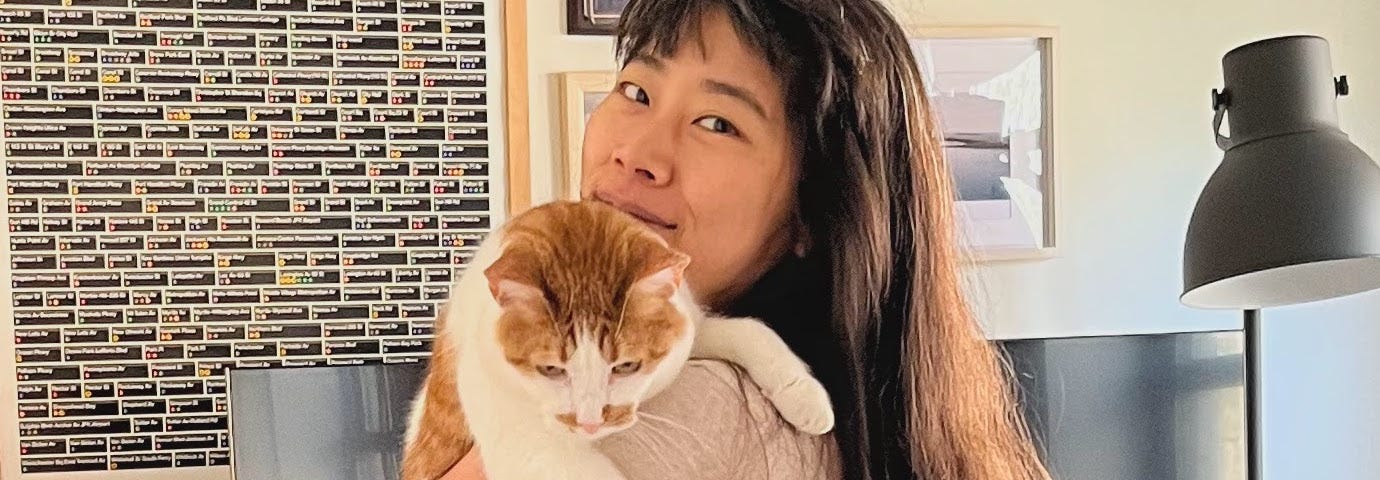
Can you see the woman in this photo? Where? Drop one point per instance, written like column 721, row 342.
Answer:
column 787, row 147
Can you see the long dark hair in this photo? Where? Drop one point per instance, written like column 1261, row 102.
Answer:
column 918, row 390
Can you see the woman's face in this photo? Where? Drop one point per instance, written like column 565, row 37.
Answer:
column 697, row 145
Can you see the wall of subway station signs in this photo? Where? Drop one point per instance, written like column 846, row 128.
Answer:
column 193, row 184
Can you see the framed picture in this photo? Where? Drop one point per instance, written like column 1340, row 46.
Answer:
column 991, row 89
column 592, row 17
column 580, row 93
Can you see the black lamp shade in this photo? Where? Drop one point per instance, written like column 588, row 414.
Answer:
column 1292, row 214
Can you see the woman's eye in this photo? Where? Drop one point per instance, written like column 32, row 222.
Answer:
column 627, row 368
column 634, row 93
column 717, row 125
column 551, row 371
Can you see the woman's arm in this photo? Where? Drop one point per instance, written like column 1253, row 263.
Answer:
column 712, row 423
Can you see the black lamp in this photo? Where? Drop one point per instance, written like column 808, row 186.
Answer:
column 1292, row 214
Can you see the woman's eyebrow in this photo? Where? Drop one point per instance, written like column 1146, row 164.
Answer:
column 648, row 60
column 709, row 85
column 734, row 91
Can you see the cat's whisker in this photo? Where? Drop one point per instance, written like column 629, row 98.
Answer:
column 663, row 442
column 661, row 435
column 667, row 436
column 660, row 418
column 652, row 445
column 622, row 310
column 678, row 426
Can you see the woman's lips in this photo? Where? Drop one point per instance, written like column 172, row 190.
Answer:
column 637, row 212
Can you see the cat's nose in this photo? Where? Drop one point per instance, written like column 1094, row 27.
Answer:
column 591, row 428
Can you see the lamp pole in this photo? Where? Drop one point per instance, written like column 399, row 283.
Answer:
column 1254, row 459
column 1292, row 213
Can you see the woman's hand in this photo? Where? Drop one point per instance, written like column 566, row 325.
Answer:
column 470, row 467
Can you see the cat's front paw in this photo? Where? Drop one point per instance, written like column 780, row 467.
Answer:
column 804, row 403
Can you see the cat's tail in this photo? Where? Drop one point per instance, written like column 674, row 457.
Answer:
column 437, row 434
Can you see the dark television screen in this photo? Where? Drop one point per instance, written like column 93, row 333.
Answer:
column 1136, row 407
column 340, row 422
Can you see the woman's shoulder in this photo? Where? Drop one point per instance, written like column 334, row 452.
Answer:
column 713, row 422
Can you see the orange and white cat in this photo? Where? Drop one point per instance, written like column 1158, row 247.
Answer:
column 568, row 317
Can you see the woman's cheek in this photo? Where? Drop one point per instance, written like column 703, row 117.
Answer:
column 594, row 146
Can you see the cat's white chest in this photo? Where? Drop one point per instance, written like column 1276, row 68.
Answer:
column 516, row 441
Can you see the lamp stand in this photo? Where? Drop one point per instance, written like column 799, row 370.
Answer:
column 1254, row 393
column 1294, row 200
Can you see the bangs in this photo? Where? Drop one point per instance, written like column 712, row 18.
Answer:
column 657, row 28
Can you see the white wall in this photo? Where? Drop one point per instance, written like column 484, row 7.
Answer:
column 1134, row 146
column 551, row 51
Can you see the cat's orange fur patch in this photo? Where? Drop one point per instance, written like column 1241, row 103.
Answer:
column 585, row 257
column 529, row 341
column 618, row 415
column 444, row 437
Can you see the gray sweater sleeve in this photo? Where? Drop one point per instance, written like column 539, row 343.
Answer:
column 713, row 423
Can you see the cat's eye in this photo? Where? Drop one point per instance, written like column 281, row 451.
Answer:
column 551, row 371
column 627, row 368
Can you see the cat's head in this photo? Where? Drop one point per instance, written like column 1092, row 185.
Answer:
column 589, row 319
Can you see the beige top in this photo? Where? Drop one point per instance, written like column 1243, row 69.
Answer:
column 713, row 423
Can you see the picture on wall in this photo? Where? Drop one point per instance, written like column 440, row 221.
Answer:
column 581, row 92
column 192, row 217
column 991, row 92
column 592, row 17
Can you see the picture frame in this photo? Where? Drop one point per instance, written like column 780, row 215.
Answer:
column 992, row 92
column 580, row 93
column 496, row 142
column 592, row 17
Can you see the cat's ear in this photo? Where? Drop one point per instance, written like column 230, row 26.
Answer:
column 510, row 281
column 663, row 274
column 508, row 291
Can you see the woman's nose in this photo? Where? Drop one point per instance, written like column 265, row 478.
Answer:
column 648, row 157
column 652, row 175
